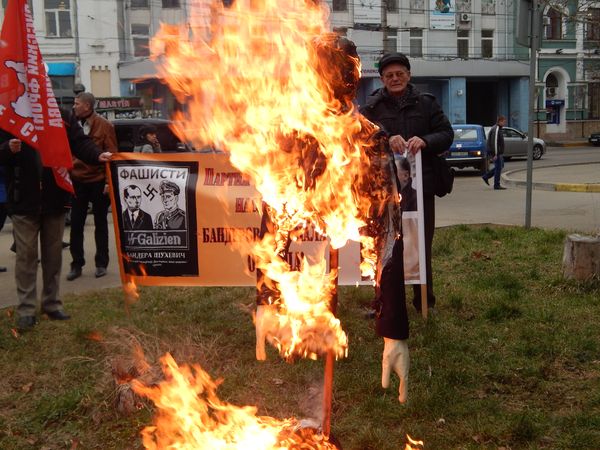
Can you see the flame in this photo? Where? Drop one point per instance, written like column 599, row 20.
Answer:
column 412, row 442
column 191, row 416
column 262, row 80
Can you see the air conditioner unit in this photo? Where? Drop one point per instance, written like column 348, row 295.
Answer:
column 550, row 92
column 464, row 17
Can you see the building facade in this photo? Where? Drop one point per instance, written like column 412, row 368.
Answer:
column 79, row 43
column 568, row 71
column 461, row 51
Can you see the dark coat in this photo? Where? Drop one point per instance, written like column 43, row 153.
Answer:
column 495, row 147
column 31, row 187
column 419, row 115
column 143, row 221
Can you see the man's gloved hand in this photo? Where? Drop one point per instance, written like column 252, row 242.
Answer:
column 263, row 313
column 396, row 358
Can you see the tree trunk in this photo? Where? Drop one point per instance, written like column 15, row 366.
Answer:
column 581, row 257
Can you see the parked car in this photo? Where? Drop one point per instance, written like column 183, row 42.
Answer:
column 128, row 135
column 515, row 143
column 469, row 148
column 595, row 139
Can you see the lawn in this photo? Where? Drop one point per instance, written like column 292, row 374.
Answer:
column 511, row 359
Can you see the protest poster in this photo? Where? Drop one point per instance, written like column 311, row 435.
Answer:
column 211, row 207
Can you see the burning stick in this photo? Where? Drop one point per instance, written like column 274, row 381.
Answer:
column 330, row 359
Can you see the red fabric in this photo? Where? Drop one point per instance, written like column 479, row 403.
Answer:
column 28, row 108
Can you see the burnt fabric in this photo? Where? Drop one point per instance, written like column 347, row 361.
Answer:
column 384, row 223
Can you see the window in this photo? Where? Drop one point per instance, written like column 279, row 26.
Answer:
column 463, row 6
column 488, row 6
column 416, row 43
column 340, row 5
column 392, row 6
column 58, row 18
column 553, row 24
column 170, row 3
column 487, row 43
column 417, row 5
column 593, row 24
column 139, row 3
column 140, row 35
column 462, row 43
column 62, row 83
column 594, row 100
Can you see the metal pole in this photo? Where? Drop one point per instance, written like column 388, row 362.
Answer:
column 535, row 43
column 330, row 357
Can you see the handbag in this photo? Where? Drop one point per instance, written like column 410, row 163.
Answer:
column 443, row 176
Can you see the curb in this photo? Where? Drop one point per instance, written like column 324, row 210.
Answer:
column 568, row 144
column 550, row 186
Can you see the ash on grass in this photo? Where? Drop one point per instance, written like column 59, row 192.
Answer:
column 511, row 359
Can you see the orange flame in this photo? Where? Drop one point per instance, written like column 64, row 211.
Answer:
column 261, row 82
column 412, row 442
column 191, row 416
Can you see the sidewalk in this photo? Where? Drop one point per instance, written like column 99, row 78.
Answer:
column 579, row 178
column 87, row 282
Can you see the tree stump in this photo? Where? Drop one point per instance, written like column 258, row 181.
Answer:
column 581, row 257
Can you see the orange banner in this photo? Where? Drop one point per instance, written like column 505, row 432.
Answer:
column 181, row 220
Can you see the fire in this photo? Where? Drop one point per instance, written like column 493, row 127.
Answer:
column 191, row 416
column 412, row 442
column 262, row 81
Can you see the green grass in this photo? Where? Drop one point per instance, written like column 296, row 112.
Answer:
column 511, row 359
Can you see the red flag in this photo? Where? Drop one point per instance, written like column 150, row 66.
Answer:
column 28, row 108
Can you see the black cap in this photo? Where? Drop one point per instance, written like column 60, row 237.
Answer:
column 78, row 88
column 391, row 58
column 168, row 186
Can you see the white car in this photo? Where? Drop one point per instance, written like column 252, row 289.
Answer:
column 515, row 143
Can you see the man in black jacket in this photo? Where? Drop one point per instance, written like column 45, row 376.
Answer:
column 495, row 145
column 415, row 122
column 36, row 206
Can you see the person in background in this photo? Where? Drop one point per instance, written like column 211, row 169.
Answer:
column 149, row 142
column 495, row 145
column 414, row 121
column 91, row 186
column 36, row 206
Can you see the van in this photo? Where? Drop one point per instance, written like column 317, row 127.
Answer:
column 469, row 148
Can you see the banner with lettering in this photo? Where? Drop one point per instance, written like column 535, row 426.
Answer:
column 28, row 108
column 180, row 216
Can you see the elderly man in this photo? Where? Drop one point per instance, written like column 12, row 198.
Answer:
column 414, row 121
column 91, row 186
column 172, row 217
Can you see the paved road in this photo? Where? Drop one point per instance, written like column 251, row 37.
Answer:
column 471, row 202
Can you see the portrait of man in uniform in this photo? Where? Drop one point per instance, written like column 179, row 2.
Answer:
column 172, row 217
column 134, row 218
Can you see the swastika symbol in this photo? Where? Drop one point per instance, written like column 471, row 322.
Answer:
column 150, row 192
